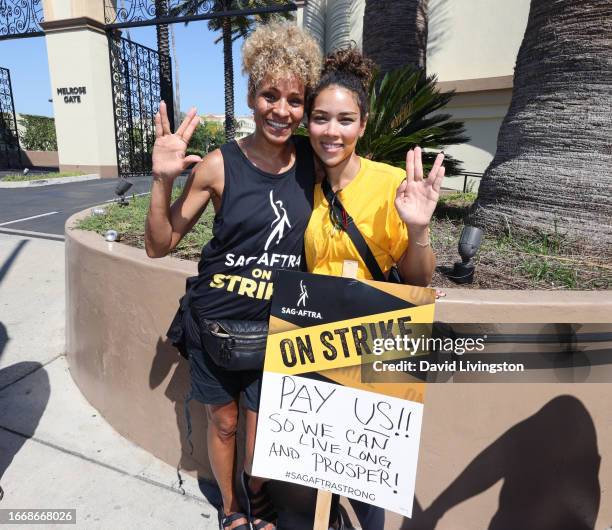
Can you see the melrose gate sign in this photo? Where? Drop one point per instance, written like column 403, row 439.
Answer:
column 139, row 76
column 72, row 94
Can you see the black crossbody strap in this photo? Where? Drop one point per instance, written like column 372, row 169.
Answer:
column 353, row 232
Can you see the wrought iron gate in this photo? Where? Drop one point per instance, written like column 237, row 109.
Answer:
column 135, row 69
column 136, row 95
column 21, row 18
column 18, row 19
column 10, row 154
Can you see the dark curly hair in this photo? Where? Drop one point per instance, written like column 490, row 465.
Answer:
column 349, row 69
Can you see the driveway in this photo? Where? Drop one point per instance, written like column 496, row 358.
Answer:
column 44, row 210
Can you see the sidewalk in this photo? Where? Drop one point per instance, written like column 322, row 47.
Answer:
column 56, row 452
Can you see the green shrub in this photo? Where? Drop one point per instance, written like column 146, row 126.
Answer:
column 207, row 137
column 38, row 133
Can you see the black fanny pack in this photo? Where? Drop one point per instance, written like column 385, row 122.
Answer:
column 233, row 344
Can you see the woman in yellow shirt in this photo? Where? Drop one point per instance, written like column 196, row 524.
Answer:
column 391, row 208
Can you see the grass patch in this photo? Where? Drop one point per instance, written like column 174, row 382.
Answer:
column 20, row 177
column 129, row 221
column 459, row 199
column 541, row 261
column 556, row 275
column 454, row 205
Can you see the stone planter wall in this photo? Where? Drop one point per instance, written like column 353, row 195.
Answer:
column 517, row 448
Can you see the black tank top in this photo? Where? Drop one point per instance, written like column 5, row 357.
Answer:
column 258, row 229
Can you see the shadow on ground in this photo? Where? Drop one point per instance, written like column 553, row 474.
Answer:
column 549, row 464
column 193, row 457
column 4, row 338
column 11, row 441
column 8, row 263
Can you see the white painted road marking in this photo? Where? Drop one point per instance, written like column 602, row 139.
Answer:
column 56, row 236
column 28, row 218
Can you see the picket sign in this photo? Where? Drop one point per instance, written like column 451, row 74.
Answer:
column 369, row 419
column 324, row 498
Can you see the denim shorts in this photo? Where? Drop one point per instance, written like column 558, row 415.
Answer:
column 211, row 384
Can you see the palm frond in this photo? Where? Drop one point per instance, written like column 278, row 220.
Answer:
column 403, row 114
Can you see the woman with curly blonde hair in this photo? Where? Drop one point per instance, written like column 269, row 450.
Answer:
column 261, row 188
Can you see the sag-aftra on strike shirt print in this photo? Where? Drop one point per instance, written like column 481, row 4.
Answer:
column 259, row 229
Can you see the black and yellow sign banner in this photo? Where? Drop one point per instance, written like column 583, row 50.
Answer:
column 324, row 326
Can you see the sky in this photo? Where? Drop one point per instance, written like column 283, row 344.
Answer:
column 200, row 69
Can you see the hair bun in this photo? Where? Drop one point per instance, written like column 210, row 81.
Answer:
column 350, row 61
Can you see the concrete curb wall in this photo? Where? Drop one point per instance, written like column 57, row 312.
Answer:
column 119, row 306
column 40, row 158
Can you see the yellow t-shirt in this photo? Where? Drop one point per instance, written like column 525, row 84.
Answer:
column 369, row 200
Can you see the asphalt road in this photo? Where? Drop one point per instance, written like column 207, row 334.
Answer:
column 45, row 209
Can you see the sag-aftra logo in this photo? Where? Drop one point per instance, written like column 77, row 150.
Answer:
column 301, row 301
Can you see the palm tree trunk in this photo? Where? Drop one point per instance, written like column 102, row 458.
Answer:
column 177, row 90
column 228, row 66
column 165, row 66
column 553, row 166
column 395, row 33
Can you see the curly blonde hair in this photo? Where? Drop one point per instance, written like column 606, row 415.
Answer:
column 280, row 50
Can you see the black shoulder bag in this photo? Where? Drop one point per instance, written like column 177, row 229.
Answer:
column 233, row 344
column 343, row 221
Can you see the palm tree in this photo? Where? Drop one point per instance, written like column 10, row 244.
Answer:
column 175, row 68
column 165, row 65
column 231, row 28
column 403, row 115
column 395, row 33
column 553, row 165
column 329, row 22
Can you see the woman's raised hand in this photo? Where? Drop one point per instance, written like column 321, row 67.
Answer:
column 169, row 159
column 416, row 197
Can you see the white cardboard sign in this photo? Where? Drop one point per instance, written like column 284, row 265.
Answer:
column 356, row 443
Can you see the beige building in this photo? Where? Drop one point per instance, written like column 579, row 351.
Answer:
column 472, row 48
